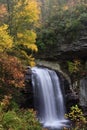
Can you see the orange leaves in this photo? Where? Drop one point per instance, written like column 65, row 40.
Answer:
column 3, row 10
column 6, row 100
column 11, row 71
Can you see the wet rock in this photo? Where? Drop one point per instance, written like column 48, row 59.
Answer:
column 83, row 92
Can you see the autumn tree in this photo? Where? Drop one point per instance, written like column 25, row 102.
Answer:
column 11, row 71
column 11, row 76
column 6, row 40
column 22, row 20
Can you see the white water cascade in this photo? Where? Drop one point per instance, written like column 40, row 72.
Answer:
column 48, row 98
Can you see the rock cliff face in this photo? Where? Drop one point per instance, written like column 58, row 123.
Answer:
column 83, row 92
column 76, row 50
column 68, row 51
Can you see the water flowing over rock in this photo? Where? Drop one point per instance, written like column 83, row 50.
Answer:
column 48, row 98
column 55, row 66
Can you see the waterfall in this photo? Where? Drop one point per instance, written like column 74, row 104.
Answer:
column 48, row 98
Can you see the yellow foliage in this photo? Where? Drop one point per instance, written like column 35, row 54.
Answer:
column 33, row 47
column 79, row 120
column 25, row 17
column 76, row 114
column 28, row 39
column 65, row 7
column 20, row 35
column 5, row 39
column 32, row 10
column 74, row 66
column 26, row 11
column 28, row 36
column 31, row 61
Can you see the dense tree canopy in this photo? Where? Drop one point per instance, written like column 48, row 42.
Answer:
column 64, row 26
